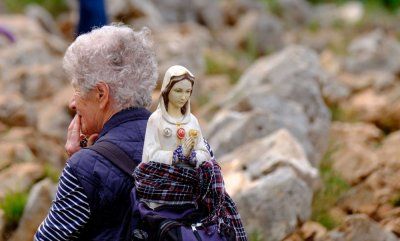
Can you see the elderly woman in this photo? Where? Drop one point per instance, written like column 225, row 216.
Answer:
column 113, row 72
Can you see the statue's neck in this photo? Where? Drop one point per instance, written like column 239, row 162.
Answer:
column 174, row 111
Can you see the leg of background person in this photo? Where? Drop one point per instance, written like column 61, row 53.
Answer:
column 92, row 13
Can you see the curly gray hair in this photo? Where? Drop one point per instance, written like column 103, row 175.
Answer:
column 118, row 56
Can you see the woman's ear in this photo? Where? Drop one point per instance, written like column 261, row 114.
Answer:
column 103, row 94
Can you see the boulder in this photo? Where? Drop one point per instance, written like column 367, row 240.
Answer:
column 36, row 209
column 232, row 10
column 376, row 80
column 312, row 230
column 374, row 51
column 351, row 12
column 327, row 15
column 231, row 129
column 38, row 81
column 19, row 177
column 275, row 204
column 48, row 150
column 295, row 12
column 257, row 31
column 281, row 91
column 391, row 220
column 54, row 115
column 361, row 198
column 117, row 9
column 385, row 181
column 43, row 17
column 22, row 27
column 15, row 111
column 206, row 12
column 355, row 154
column 263, row 156
column 145, row 14
column 375, row 194
column 367, row 105
column 182, row 44
column 272, row 183
column 360, row 228
column 13, row 152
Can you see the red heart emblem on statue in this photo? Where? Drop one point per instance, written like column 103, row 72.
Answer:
column 180, row 133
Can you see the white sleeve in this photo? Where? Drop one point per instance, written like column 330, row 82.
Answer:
column 152, row 150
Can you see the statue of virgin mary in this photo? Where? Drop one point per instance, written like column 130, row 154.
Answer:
column 173, row 134
column 178, row 173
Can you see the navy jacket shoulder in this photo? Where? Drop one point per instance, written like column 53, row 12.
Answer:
column 106, row 186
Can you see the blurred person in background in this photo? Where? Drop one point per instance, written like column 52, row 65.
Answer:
column 92, row 13
column 113, row 71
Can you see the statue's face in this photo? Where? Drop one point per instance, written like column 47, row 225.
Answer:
column 180, row 93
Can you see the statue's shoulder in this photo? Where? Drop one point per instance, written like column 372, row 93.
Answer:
column 193, row 118
column 156, row 115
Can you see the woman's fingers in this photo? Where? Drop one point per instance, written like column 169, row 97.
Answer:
column 73, row 136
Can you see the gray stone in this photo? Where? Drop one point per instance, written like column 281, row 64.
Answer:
column 354, row 144
column 23, row 53
column 295, row 11
column 38, row 81
column 234, row 9
column 182, row 44
column 327, row 15
column 15, row 111
column 275, row 204
column 263, row 156
column 13, row 152
column 54, row 116
column 23, row 27
column 146, row 14
column 281, row 91
column 360, row 228
column 177, row 10
column 351, row 12
column 44, row 18
column 19, row 177
column 117, row 8
column 36, row 209
column 210, row 14
column 259, row 30
column 374, row 51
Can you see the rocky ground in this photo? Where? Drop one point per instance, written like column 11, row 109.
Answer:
column 300, row 103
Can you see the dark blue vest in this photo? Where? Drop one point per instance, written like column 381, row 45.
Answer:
column 106, row 186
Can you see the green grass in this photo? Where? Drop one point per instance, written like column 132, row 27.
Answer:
column 325, row 198
column 55, row 7
column 337, row 113
column 51, row 172
column 314, row 26
column 13, row 206
column 273, row 7
column 256, row 236
column 215, row 66
column 396, row 200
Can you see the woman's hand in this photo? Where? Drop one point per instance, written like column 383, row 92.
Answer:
column 188, row 146
column 74, row 137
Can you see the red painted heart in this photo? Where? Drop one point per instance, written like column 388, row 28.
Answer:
column 180, row 133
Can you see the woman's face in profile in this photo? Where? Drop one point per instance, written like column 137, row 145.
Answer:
column 86, row 108
column 180, row 93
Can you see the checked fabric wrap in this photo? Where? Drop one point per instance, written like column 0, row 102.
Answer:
column 168, row 184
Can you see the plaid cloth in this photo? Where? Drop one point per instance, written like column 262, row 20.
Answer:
column 162, row 183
